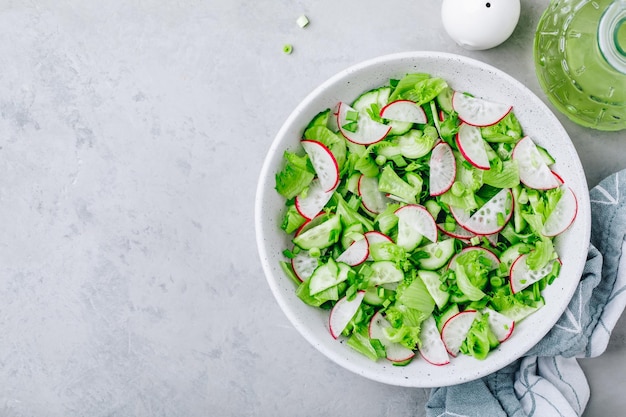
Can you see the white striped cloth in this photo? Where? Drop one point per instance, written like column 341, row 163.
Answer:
column 549, row 381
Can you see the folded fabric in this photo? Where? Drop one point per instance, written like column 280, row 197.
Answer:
column 548, row 381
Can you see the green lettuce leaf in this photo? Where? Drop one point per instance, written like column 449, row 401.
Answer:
column 480, row 339
column 295, row 176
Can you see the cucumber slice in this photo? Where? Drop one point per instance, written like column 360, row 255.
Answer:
column 452, row 310
column 520, row 311
column 373, row 295
column 439, row 253
column 320, row 119
column 385, row 272
column 378, row 96
column 512, row 253
column 399, row 128
column 328, row 275
column 444, row 100
column 320, row 236
column 545, row 155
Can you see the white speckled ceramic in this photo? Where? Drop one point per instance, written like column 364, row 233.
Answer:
column 463, row 74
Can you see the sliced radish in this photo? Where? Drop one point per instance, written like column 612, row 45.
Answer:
column 501, row 325
column 342, row 312
column 533, row 171
column 442, row 169
column 461, row 216
column 563, row 214
column 492, row 257
column 522, row 276
column 431, row 346
column 404, row 111
column 372, row 198
column 478, row 112
column 491, row 217
column 367, row 130
column 458, row 232
column 314, row 201
column 455, row 330
column 414, row 222
column 374, row 237
column 395, row 351
column 303, row 265
column 472, row 145
column 558, row 178
column 356, row 254
column 323, row 162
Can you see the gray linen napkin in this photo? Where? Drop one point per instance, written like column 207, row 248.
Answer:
column 548, row 381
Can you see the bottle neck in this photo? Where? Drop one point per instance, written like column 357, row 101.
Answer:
column 612, row 35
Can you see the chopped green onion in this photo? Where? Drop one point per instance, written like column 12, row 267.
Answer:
column 449, row 226
column 288, row 254
column 352, row 115
column 302, row 21
column 457, row 188
column 398, row 160
column 351, row 292
column 381, row 160
column 287, row 49
column 496, row 281
column 315, row 252
column 350, row 127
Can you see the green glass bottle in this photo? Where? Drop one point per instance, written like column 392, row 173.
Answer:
column 580, row 60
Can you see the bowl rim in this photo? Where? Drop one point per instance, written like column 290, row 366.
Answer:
column 307, row 333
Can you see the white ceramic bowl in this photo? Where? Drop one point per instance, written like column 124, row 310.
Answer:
column 463, row 74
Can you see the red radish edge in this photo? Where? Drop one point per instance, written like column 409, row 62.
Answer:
column 464, row 117
column 431, row 233
column 518, row 264
column 369, row 198
column 389, row 346
column 539, row 177
column 438, row 165
column 297, row 270
column 463, row 315
column 431, row 344
column 414, row 113
column 374, row 237
column 336, row 324
column 495, row 318
column 311, row 146
column 310, row 223
column 565, row 224
column 367, row 122
column 356, row 253
column 466, row 140
column 315, row 200
column 466, row 221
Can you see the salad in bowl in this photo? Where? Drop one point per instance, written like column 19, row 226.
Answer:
column 423, row 223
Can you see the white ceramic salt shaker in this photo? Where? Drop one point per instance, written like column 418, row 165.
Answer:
column 480, row 24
